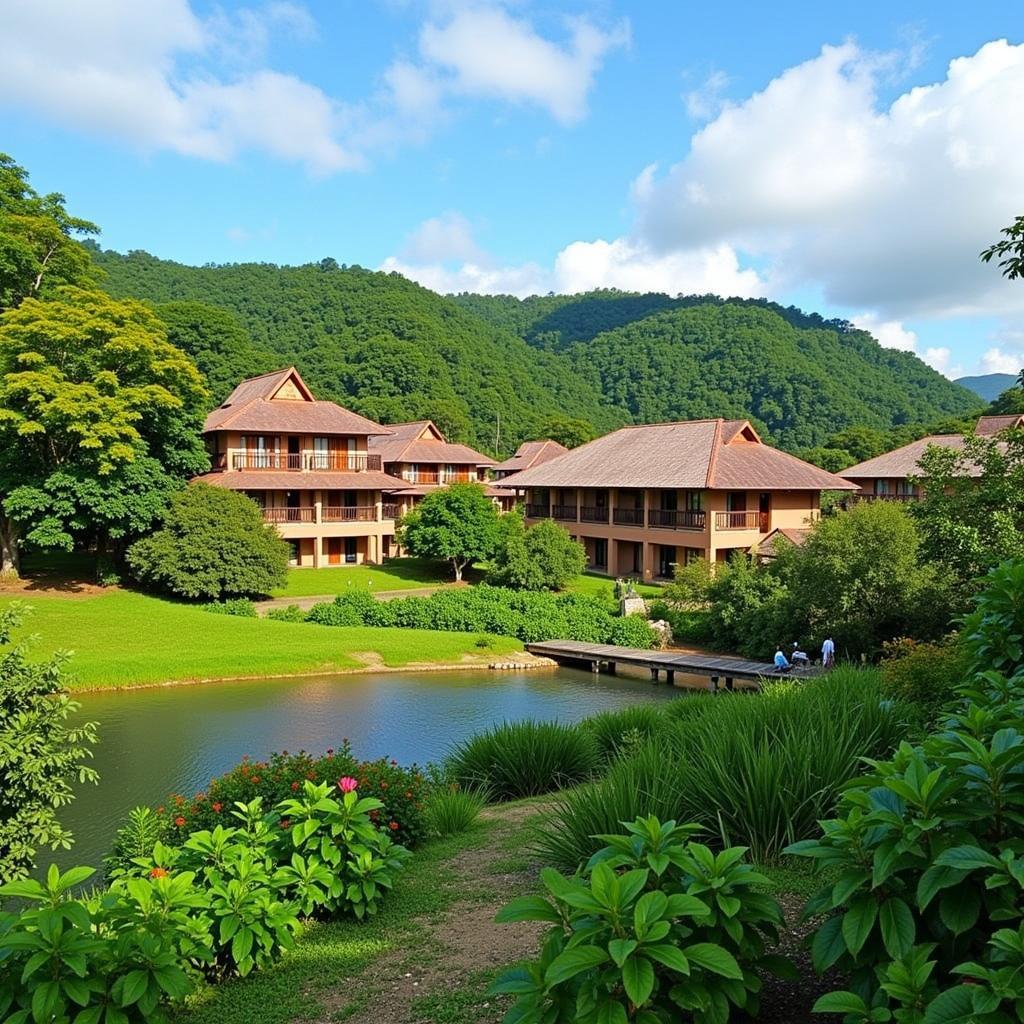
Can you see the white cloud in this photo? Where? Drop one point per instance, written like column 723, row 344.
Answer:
column 442, row 240
column 706, row 100
column 997, row 360
column 890, row 333
column 487, row 52
column 883, row 208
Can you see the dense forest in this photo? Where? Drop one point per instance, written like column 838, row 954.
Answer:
column 393, row 350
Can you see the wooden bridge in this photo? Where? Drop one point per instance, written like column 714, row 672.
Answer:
column 715, row 668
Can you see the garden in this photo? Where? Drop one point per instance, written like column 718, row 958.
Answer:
column 835, row 845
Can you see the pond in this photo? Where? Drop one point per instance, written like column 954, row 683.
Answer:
column 163, row 740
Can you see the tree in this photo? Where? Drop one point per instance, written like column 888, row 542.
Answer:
column 218, row 342
column 1010, row 250
column 543, row 557
column 860, row 443
column 458, row 524
column 833, row 460
column 40, row 755
column 971, row 514
column 100, row 420
column 213, row 544
column 567, row 431
column 690, row 583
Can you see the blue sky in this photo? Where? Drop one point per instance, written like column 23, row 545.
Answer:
column 828, row 155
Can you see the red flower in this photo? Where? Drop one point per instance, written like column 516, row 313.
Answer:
column 217, row 805
column 255, row 780
column 160, row 810
column 286, row 823
column 158, row 873
column 383, row 785
column 179, row 821
column 393, row 826
column 295, row 786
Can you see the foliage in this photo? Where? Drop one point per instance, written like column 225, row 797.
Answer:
column 1010, row 250
column 971, row 515
column 658, row 924
column 289, row 613
column 757, row 771
column 621, row 732
column 40, row 755
column 568, row 432
column 543, row 557
column 213, row 543
column 530, row 616
column 243, row 607
column 524, row 758
column 690, row 583
column 832, row 460
column 456, row 524
column 100, row 419
column 926, row 912
column 453, row 809
column 926, row 674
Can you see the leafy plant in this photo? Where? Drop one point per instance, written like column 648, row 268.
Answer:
column 656, row 925
column 454, row 809
column 543, row 557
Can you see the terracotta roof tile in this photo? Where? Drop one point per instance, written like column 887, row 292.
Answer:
column 987, row 426
column 405, row 443
column 901, row 462
column 261, row 480
column 531, row 453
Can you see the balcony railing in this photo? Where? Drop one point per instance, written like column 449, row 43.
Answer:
column 290, row 515
column 593, row 513
column 673, row 519
column 537, row 512
column 889, row 497
column 266, row 460
column 739, row 521
column 389, row 510
column 425, row 476
column 344, row 462
column 349, row 513
column 628, row 516
column 566, row 512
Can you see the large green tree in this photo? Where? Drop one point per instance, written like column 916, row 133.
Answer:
column 100, row 420
column 457, row 524
column 541, row 557
column 1009, row 250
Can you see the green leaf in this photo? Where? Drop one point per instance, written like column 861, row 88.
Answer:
column 712, row 957
column 828, row 944
column 571, row 962
column 858, row 922
column 959, row 908
column 954, row 1006
column 620, row 949
column 898, row 929
column 134, row 987
column 638, row 979
column 649, row 908
column 671, row 957
column 527, row 908
column 966, row 858
column 840, row 1002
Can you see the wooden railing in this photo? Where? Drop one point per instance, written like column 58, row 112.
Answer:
column 564, row 512
column 628, row 516
column 593, row 513
column 349, row 513
column 737, row 520
column 345, row 462
column 389, row 510
column 266, row 460
column 888, row 497
column 290, row 515
column 676, row 519
column 424, row 476
column 537, row 512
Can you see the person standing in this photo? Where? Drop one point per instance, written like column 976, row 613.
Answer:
column 828, row 653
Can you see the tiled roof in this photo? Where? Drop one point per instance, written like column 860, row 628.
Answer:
column 251, row 407
column 261, row 480
column 421, row 490
column 903, row 461
column 531, row 453
column 695, row 454
column 793, row 535
column 406, row 443
column 987, row 426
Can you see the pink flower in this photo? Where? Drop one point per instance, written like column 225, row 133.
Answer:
column 346, row 784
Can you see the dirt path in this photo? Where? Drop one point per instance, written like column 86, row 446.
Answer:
column 445, row 953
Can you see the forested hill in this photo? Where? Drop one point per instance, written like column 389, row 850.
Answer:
column 801, row 377
column 378, row 344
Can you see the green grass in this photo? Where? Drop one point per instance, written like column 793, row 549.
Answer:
column 395, row 574
column 602, row 586
column 123, row 639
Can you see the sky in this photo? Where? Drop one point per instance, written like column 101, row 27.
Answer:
column 849, row 158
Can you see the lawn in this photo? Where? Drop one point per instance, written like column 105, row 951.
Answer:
column 123, row 639
column 394, row 574
column 602, row 586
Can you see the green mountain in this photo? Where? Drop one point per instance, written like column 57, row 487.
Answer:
column 988, row 386
column 800, row 377
column 377, row 343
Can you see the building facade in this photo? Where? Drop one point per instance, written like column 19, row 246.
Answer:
column 647, row 498
column 307, row 464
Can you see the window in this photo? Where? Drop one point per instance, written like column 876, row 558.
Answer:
column 736, row 501
column 321, row 450
column 666, row 561
column 882, row 487
column 601, row 553
column 351, row 550
column 694, row 501
column 669, row 501
column 293, row 552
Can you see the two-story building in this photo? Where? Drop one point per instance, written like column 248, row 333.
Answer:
column 528, row 455
column 646, row 498
column 306, row 463
column 895, row 475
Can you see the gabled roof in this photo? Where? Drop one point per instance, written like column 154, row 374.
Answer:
column 902, row 462
column 695, row 454
column 989, row 426
column 795, row 536
column 263, row 480
column 421, row 441
column 281, row 402
column 531, row 453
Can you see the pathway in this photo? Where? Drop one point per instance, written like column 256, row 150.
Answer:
column 307, row 602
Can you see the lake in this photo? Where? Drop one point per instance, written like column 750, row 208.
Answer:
column 163, row 740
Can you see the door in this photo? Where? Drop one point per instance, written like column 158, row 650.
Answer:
column 638, row 558
column 320, row 453
column 600, row 553
column 666, row 561
column 294, row 453
column 351, row 550
column 764, row 509
column 334, row 550
column 292, row 502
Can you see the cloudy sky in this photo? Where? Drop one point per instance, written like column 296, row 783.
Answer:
column 849, row 158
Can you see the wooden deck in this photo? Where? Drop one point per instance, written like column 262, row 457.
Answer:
column 715, row 668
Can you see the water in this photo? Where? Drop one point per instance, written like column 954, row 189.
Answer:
column 154, row 742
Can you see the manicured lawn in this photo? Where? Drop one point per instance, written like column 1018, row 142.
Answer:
column 395, row 574
column 122, row 638
column 602, row 586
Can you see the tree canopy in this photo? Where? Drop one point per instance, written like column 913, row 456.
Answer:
column 542, row 557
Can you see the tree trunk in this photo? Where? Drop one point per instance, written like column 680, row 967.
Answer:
column 9, row 555
column 457, row 566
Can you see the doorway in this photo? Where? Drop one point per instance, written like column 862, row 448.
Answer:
column 335, row 550
column 764, row 508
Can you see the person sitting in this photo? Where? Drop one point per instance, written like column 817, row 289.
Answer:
column 781, row 661
column 799, row 658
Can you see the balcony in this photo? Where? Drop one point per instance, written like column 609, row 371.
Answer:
column 266, row 460
column 888, row 497
column 290, row 515
column 672, row 519
column 628, row 517
column 389, row 511
column 537, row 512
column 349, row 513
column 344, row 462
column 330, row 514
column 741, row 521
column 594, row 514
column 564, row 512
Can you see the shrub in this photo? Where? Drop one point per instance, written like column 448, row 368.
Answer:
column 291, row 613
column 690, row 583
column 926, row 674
column 617, row 731
column 657, row 926
column 40, row 756
column 454, row 809
column 543, row 557
column 630, row 631
column 240, row 606
column 213, row 544
column 525, row 758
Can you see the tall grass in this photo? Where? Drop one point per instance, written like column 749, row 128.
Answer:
column 525, row 758
column 619, row 732
column 756, row 771
column 451, row 810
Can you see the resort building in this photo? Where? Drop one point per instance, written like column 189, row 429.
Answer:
column 421, row 459
column 646, row 498
column 893, row 475
column 306, row 463
column 528, row 455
